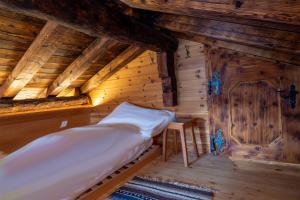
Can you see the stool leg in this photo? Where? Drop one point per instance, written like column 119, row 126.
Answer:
column 184, row 149
column 165, row 142
column 194, row 141
column 175, row 141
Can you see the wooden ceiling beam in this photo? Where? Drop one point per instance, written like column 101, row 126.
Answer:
column 271, row 39
column 276, row 56
column 281, row 11
column 41, row 49
column 116, row 64
column 89, row 56
column 166, row 69
column 8, row 106
column 94, row 18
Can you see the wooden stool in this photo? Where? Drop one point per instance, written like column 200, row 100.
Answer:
column 180, row 125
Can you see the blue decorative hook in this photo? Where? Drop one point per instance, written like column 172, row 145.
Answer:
column 217, row 142
column 214, row 82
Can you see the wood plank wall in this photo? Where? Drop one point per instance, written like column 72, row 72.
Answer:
column 140, row 84
column 18, row 130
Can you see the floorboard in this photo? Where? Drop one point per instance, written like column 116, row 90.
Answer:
column 231, row 179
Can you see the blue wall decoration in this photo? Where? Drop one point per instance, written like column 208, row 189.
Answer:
column 217, row 142
column 214, row 83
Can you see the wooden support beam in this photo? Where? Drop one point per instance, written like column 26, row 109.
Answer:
column 282, row 11
column 8, row 106
column 274, row 55
column 116, row 64
column 34, row 58
column 89, row 56
column 94, row 18
column 266, row 38
column 166, row 69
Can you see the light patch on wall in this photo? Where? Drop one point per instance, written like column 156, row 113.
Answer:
column 97, row 101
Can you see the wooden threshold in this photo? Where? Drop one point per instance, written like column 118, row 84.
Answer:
column 121, row 176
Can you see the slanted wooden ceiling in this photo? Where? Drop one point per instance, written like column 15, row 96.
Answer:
column 66, row 48
column 18, row 32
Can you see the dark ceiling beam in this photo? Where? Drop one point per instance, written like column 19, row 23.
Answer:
column 281, row 11
column 265, row 38
column 94, row 18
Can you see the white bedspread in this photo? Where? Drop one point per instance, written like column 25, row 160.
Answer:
column 66, row 163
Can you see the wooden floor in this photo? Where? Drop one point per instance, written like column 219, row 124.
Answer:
column 231, row 180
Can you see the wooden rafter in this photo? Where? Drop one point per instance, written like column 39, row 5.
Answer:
column 89, row 56
column 94, row 18
column 280, row 11
column 266, row 38
column 44, row 45
column 116, row 64
column 284, row 57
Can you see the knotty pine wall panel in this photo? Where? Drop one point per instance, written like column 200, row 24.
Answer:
column 139, row 83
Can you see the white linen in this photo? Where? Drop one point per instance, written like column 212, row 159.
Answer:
column 64, row 164
column 150, row 121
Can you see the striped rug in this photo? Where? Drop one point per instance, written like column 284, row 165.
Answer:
column 145, row 189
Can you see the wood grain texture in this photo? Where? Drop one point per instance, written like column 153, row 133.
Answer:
column 89, row 56
column 116, row 64
column 251, row 35
column 284, row 57
column 255, row 113
column 94, row 18
column 37, row 55
column 258, row 116
column 139, row 83
column 19, row 129
column 17, row 32
column 274, row 11
column 38, row 105
column 166, row 70
column 229, row 179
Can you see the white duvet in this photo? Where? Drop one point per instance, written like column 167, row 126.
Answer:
column 64, row 164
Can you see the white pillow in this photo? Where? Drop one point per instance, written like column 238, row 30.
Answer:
column 150, row 121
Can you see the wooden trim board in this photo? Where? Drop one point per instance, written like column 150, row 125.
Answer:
column 121, row 176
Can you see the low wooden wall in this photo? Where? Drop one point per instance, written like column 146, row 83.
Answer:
column 18, row 130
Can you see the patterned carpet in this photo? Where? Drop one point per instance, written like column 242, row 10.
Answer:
column 145, row 189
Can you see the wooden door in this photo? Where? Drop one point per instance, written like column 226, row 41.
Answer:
column 255, row 113
column 252, row 108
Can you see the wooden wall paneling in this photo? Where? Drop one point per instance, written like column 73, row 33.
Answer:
column 19, row 129
column 256, row 133
column 37, row 54
column 139, row 83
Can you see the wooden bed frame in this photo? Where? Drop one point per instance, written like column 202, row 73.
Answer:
column 111, row 183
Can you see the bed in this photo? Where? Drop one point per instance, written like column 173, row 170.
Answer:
column 64, row 164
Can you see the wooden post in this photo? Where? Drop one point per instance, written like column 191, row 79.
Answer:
column 166, row 69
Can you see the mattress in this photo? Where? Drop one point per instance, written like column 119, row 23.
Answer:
column 64, row 164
